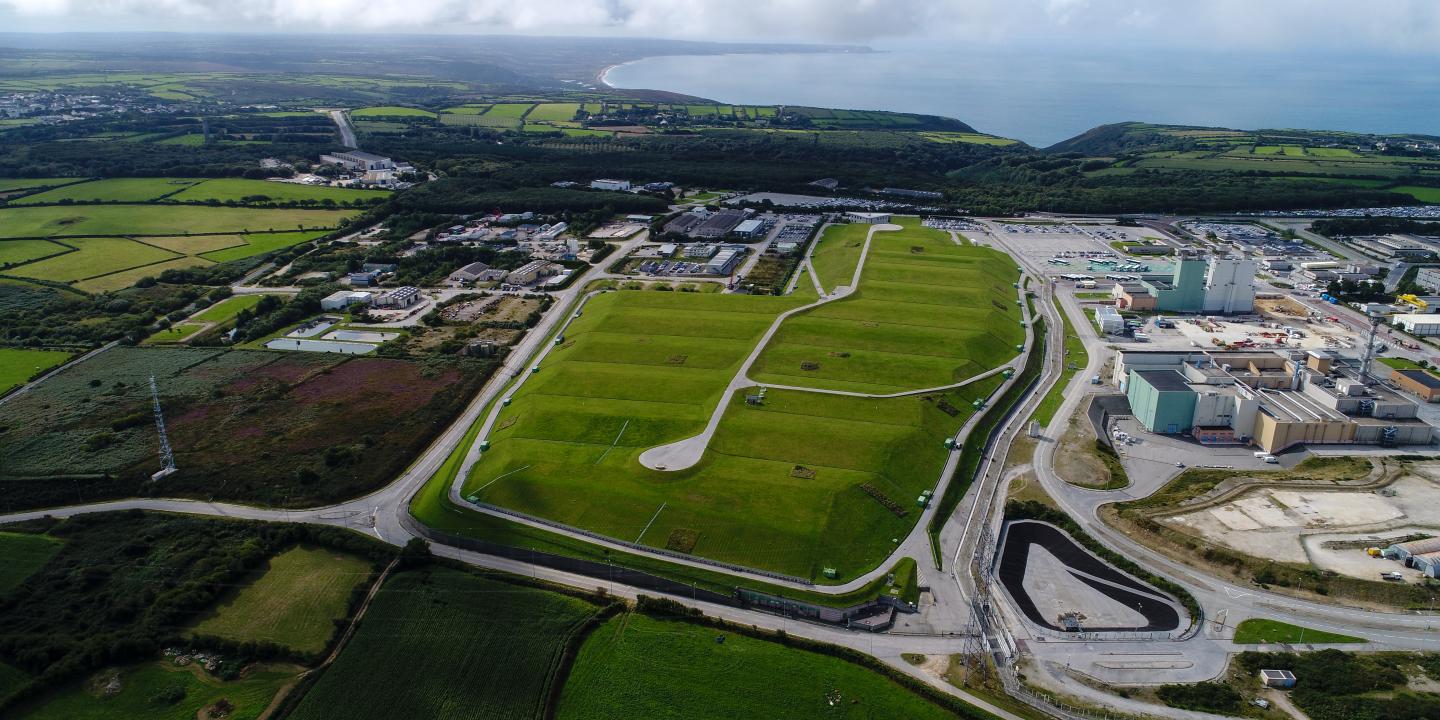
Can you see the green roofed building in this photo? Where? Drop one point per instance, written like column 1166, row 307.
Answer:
column 1183, row 292
column 1161, row 400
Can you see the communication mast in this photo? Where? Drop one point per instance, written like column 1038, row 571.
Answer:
column 167, row 458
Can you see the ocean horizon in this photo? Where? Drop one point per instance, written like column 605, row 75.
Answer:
column 1042, row 95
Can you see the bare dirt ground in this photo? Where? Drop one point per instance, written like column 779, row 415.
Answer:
column 1075, row 460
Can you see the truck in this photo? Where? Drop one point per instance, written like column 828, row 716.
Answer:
column 1392, row 576
column 1270, row 459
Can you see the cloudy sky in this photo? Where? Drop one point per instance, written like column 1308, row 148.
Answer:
column 1407, row 26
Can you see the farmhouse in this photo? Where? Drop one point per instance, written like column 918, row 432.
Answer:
column 344, row 299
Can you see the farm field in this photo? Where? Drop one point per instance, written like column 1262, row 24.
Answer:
column 514, row 111
column 783, row 484
column 14, row 252
column 638, row 666
column 17, row 365
column 972, row 138
column 249, row 191
column 93, row 257
column 177, row 333
column 386, row 111
column 196, row 244
column 24, row 553
column 14, row 184
column 125, row 278
column 260, row 243
column 141, row 684
column 1423, row 194
column 294, row 602
column 553, row 112
column 446, row 644
column 927, row 313
column 164, row 220
column 126, row 190
column 271, row 428
column 227, row 309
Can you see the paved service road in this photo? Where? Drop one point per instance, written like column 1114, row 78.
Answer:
column 347, row 131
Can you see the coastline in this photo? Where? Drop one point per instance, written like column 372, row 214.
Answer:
column 602, row 77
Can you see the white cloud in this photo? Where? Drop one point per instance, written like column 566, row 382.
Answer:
column 1331, row 24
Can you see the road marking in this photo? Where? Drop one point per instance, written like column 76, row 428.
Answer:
column 1235, row 594
column 375, row 522
column 652, row 522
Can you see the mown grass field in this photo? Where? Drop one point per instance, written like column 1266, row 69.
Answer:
column 782, row 486
column 226, row 310
column 554, row 112
column 294, row 602
column 140, row 685
column 93, row 257
column 442, row 643
column 1255, row 631
column 836, row 254
column 260, row 243
column 635, row 666
column 24, row 553
column 927, row 313
column 14, row 184
column 385, row 111
column 17, row 366
column 240, row 189
column 177, row 333
column 130, row 190
column 125, row 278
column 163, row 220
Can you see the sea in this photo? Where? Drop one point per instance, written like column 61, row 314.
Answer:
column 1044, row 94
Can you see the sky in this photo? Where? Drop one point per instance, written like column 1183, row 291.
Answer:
column 1386, row 26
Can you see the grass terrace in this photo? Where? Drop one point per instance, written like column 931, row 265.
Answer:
column 927, row 313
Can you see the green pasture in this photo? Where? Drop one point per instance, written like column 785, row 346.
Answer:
column 553, row 112
column 637, row 666
column 261, row 191
column 93, row 257
column 14, row 252
column 961, row 137
column 260, row 243
column 190, row 139
column 443, row 643
column 164, row 220
column 780, row 487
column 142, row 685
column 226, row 310
column 1423, row 194
column 389, row 111
column 125, row 278
column 294, row 601
column 465, row 110
column 928, row 313
column 14, row 184
column 512, row 111
column 195, row 244
column 24, row 553
column 129, row 190
column 177, row 333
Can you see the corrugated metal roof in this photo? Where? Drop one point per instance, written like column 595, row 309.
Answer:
column 1419, row 547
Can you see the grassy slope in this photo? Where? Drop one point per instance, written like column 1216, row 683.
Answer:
column 837, row 252
column 294, row 602
column 141, row 683
column 18, row 366
column 83, row 220
column 445, row 644
column 226, row 310
column 637, row 666
column 1255, row 631
column 614, row 377
column 927, row 313
column 24, row 553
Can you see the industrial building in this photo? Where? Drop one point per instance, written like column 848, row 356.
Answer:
column 701, row 251
column 1428, row 277
column 1109, row 320
column 751, row 228
column 608, row 184
column 1419, row 324
column 719, row 224
column 1419, row 382
column 359, row 160
column 531, row 271
column 1272, row 400
column 476, row 272
column 344, row 299
column 402, row 297
column 872, row 218
column 1216, row 286
column 724, row 262
column 1423, row 555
